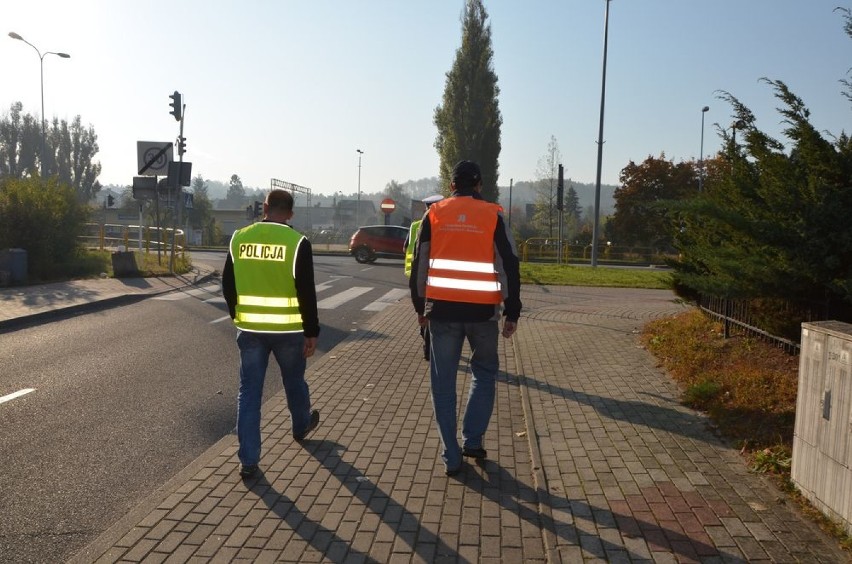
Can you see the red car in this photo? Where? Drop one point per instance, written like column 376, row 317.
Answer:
column 374, row 241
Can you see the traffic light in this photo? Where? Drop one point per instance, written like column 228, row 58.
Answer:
column 560, row 189
column 258, row 208
column 110, row 200
column 177, row 108
column 181, row 145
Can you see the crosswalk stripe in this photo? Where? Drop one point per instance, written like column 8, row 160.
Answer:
column 212, row 293
column 343, row 297
column 391, row 297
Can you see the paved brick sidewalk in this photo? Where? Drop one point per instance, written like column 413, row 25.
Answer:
column 21, row 305
column 591, row 458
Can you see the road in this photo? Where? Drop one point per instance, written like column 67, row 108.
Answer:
column 126, row 397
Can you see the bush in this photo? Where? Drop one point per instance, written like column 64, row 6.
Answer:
column 45, row 219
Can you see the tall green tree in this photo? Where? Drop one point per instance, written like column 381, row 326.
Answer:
column 572, row 211
column 847, row 27
column 69, row 154
column 236, row 196
column 20, row 140
column 772, row 225
column 396, row 192
column 201, row 214
column 468, row 119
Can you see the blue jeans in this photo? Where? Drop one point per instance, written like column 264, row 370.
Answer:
column 254, row 359
column 447, row 340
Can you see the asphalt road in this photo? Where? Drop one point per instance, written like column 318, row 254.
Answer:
column 126, row 397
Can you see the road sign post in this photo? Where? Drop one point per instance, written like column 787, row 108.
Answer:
column 387, row 206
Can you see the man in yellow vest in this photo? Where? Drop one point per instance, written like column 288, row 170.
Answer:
column 268, row 284
column 413, row 231
column 465, row 266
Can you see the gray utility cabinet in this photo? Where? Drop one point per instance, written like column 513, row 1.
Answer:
column 822, row 441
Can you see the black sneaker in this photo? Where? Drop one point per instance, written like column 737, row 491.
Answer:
column 453, row 471
column 474, row 452
column 311, row 426
column 248, row 470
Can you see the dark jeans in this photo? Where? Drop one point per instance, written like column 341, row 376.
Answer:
column 254, row 359
column 448, row 337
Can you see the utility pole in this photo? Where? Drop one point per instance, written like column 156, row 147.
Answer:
column 600, row 146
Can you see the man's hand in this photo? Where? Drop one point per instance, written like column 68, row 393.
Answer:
column 509, row 328
column 422, row 320
column 310, row 347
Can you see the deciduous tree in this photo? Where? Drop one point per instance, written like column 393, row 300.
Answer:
column 546, row 179
column 643, row 203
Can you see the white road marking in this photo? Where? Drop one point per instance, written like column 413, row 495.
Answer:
column 193, row 293
column 17, row 394
column 343, row 297
column 391, row 297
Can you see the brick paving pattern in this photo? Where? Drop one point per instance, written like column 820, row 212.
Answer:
column 590, row 459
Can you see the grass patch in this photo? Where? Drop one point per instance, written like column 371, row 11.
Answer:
column 748, row 389
column 150, row 265
column 568, row 275
column 93, row 263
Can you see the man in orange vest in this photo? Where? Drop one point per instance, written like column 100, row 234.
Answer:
column 465, row 267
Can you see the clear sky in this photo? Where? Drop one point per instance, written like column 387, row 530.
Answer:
column 290, row 89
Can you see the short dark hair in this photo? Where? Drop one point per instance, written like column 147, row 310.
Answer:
column 466, row 175
column 281, row 200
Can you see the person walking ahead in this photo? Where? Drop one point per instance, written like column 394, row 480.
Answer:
column 464, row 266
column 413, row 232
column 268, row 284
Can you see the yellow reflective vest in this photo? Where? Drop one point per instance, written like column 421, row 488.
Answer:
column 461, row 254
column 264, row 256
column 413, row 230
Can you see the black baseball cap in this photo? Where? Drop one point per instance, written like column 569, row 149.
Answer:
column 466, row 174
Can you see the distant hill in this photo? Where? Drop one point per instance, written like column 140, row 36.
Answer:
column 523, row 193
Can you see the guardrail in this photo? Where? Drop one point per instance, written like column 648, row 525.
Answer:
column 540, row 249
column 107, row 236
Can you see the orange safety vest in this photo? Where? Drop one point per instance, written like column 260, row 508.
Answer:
column 461, row 252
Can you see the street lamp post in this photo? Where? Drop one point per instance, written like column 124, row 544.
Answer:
column 737, row 124
column 41, row 56
column 358, row 208
column 595, row 226
column 701, row 152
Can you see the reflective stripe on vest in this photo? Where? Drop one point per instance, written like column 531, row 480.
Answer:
column 267, row 302
column 268, row 318
column 461, row 256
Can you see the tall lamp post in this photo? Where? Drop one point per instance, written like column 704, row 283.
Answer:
column 701, row 152
column 358, row 208
column 41, row 56
column 596, row 227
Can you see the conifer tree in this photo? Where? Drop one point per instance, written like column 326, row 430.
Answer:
column 468, row 119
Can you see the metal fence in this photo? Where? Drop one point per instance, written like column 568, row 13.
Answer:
column 738, row 317
column 542, row 249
